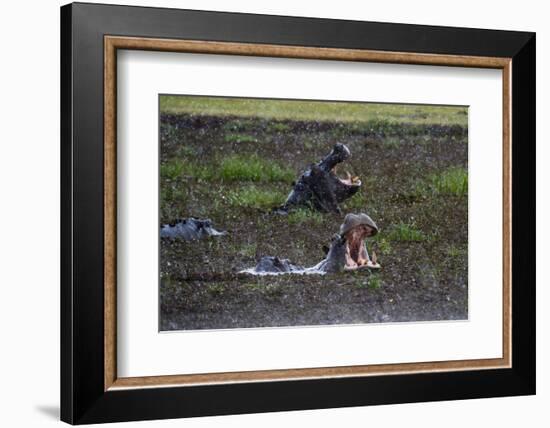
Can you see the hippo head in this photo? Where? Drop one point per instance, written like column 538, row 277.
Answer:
column 342, row 187
column 356, row 228
column 319, row 186
column 347, row 249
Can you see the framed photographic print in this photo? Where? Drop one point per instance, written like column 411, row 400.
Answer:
column 264, row 213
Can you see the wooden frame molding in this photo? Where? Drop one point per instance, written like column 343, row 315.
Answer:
column 113, row 43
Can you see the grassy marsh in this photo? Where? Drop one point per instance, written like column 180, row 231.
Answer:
column 233, row 162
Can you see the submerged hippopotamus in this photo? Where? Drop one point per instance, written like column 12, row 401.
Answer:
column 189, row 229
column 276, row 265
column 347, row 251
column 320, row 188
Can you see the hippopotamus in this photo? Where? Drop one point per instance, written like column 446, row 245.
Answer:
column 320, row 188
column 276, row 265
column 189, row 229
column 347, row 251
column 334, row 262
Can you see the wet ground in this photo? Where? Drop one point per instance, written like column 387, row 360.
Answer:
column 405, row 169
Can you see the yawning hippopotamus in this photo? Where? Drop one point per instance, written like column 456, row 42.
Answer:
column 356, row 228
column 347, row 251
column 320, row 188
column 189, row 229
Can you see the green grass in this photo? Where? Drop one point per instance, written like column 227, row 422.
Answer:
column 278, row 127
column 172, row 169
column 406, row 232
column 172, row 196
column 383, row 246
column 253, row 197
column 253, row 168
column 305, row 216
column 359, row 201
column 453, row 181
column 454, row 251
column 392, row 142
column 314, row 110
column 450, row 182
column 233, row 168
column 375, row 282
column 239, row 138
column 248, row 250
column 175, row 168
column 186, row 151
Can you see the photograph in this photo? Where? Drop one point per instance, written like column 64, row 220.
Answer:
column 287, row 213
column 300, row 211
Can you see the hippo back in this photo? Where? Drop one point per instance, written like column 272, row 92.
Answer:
column 275, row 265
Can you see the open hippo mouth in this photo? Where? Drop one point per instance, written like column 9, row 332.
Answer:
column 320, row 187
column 356, row 253
column 347, row 253
column 356, row 228
column 344, row 187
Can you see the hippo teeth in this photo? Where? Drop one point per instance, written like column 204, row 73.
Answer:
column 350, row 180
column 352, row 263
